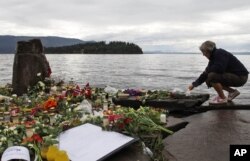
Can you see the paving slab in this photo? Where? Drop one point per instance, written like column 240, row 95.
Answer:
column 208, row 136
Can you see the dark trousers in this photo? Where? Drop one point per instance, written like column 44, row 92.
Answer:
column 226, row 79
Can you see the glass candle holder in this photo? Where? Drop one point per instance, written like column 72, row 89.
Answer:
column 6, row 116
column 163, row 118
column 15, row 119
column 52, row 118
column 29, row 131
column 105, row 121
column 105, row 105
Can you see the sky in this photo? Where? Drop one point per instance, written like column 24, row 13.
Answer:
column 155, row 25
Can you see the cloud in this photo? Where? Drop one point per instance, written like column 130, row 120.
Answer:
column 153, row 24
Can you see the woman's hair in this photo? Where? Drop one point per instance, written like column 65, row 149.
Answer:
column 207, row 46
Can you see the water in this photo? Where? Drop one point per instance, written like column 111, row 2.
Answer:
column 147, row 71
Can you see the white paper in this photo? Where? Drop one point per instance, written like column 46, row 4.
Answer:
column 90, row 143
column 16, row 152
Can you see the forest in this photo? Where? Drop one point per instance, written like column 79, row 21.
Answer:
column 113, row 47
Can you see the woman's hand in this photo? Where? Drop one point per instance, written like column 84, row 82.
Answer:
column 190, row 87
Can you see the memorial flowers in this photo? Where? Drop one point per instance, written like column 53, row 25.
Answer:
column 143, row 123
column 44, row 114
column 10, row 136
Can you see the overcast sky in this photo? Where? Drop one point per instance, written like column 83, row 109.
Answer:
column 166, row 25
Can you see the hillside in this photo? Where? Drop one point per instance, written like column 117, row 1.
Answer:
column 8, row 42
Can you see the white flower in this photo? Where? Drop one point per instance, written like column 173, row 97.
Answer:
column 12, row 128
column 30, row 145
column 3, row 139
column 15, row 132
column 14, row 95
column 53, row 89
column 38, row 74
column 41, row 84
column 6, row 130
column 1, row 143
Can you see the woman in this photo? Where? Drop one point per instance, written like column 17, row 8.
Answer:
column 223, row 72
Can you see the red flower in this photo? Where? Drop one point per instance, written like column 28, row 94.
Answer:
column 127, row 120
column 114, row 117
column 34, row 138
column 35, row 110
column 37, row 138
column 88, row 93
column 111, row 118
column 77, row 91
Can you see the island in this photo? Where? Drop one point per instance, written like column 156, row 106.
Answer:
column 113, row 47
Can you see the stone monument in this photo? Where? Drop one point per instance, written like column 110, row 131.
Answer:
column 29, row 61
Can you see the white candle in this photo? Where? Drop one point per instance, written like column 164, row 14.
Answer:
column 105, row 121
column 105, row 105
column 29, row 131
column 163, row 118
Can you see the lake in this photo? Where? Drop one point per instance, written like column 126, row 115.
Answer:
column 146, row 71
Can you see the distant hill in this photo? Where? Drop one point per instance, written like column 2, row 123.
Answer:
column 8, row 42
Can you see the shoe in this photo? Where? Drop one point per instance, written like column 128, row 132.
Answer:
column 232, row 95
column 218, row 101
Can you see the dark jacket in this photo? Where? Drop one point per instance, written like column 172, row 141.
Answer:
column 221, row 62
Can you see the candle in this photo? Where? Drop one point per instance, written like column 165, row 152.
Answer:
column 1, row 117
column 29, row 131
column 105, row 105
column 163, row 118
column 105, row 121
column 7, row 116
column 15, row 119
column 52, row 118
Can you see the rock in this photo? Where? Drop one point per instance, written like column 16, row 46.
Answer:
column 29, row 61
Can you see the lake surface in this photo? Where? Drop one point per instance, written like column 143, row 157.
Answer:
column 147, row 71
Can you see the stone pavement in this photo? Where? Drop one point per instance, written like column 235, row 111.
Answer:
column 208, row 135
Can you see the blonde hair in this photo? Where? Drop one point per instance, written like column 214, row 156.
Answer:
column 207, row 46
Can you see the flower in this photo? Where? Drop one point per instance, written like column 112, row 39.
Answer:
column 51, row 102
column 37, row 138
